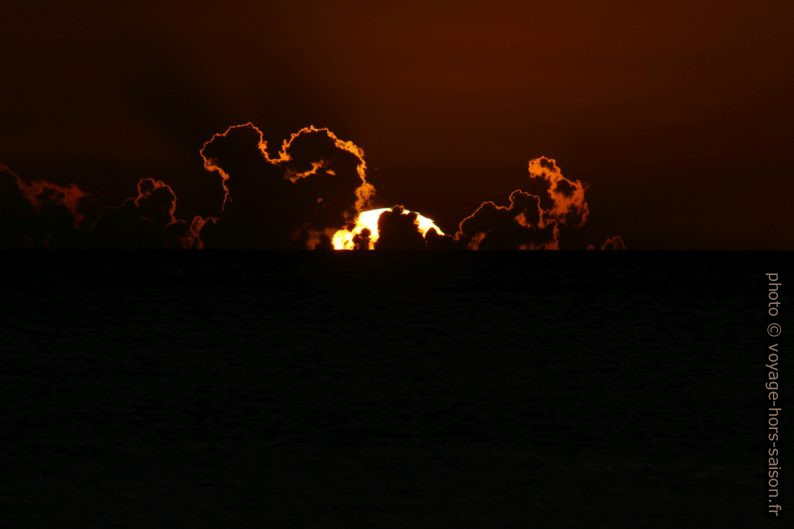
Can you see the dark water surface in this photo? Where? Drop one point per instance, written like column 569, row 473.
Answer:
column 253, row 389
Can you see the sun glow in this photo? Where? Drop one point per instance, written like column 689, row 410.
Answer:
column 368, row 220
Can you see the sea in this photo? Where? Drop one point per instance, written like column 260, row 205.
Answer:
column 242, row 389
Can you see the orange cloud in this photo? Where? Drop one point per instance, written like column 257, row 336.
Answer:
column 533, row 218
column 40, row 192
column 297, row 198
column 311, row 194
column 364, row 192
column 570, row 206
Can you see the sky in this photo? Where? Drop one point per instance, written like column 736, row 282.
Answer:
column 675, row 116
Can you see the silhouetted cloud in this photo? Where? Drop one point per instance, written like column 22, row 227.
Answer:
column 404, row 230
column 313, row 193
column 362, row 241
column 147, row 220
column 298, row 198
column 533, row 218
column 512, row 227
column 441, row 242
column 399, row 230
column 614, row 243
column 36, row 214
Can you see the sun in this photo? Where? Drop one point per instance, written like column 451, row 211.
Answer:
column 368, row 220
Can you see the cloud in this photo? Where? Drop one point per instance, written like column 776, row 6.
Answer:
column 147, row 220
column 298, row 198
column 533, row 218
column 313, row 193
column 436, row 241
column 36, row 214
column 563, row 200
column 614, row 243
column 399, row 230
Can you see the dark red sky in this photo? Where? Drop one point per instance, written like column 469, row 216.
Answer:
column 677, row 114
